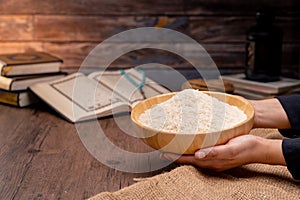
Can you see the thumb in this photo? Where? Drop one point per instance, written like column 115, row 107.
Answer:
column 202, row 153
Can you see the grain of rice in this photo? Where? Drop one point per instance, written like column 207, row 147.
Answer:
column 192, row 111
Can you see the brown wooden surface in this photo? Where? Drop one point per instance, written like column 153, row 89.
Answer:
column 70, row 29
column 226, row 56
column 154, row 7
column 42, row 157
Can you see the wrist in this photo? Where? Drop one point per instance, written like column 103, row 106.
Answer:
column 257, row 114
column 270, row 152
column 269, row 113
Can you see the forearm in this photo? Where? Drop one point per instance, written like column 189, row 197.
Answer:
column 269, row 152
column 269, row 113
column 283, row 114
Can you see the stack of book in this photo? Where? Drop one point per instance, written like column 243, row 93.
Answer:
column 21, row 70
column 261, row 90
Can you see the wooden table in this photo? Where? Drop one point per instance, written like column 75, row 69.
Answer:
column 42, row 157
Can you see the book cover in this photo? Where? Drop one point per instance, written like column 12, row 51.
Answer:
column 28, row 63
column 284, row 85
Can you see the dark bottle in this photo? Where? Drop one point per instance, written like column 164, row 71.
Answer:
column 263, row 49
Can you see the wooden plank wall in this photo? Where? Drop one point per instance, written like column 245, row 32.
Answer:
column 70, row 29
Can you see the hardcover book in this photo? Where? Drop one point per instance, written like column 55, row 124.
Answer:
column 23, row 82
column 19, row 99
column 282, row 86
column 79, row 97
column 20, row 64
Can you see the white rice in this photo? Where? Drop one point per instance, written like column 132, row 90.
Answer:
column 192, row 111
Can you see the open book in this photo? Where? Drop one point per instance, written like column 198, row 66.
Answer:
column 79, row 97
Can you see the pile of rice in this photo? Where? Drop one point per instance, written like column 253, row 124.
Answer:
column 192, row 111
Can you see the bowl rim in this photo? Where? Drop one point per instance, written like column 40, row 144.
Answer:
column 137, row 122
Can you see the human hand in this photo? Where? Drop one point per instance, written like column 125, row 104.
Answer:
column 238, row 151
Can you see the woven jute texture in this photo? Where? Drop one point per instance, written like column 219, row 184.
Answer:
column 253, row 181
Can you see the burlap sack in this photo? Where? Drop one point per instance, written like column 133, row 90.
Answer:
column 254, row 181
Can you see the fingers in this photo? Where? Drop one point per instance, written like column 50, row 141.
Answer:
column 186, row 159
column 211, row 153
column 190, row 159
column 217, row 152
column 207, row 152
column 236, row 152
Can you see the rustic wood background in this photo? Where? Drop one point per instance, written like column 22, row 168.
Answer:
column 71, row 28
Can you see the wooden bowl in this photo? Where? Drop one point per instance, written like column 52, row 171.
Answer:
column 186, row 143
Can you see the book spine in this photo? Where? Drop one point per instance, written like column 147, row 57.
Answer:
column 9, row 98
column 6, row 69
column 2, row 67
column 5, row 83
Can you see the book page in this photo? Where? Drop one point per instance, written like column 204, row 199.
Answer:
column 85, row 93
column 123, row 85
